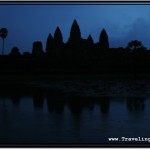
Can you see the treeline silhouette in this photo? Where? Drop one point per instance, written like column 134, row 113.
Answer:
column 77, row 55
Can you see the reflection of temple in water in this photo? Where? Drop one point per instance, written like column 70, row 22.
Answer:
column 55, row 101
column 135, row 104
column 104, row 103
column 76, row 105
column 38, row 99
column 16, row 98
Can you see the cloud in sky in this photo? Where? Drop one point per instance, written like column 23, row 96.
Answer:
column 138, row 30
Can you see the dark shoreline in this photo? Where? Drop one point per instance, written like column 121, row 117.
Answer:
column 26, row 79
column 69, row 76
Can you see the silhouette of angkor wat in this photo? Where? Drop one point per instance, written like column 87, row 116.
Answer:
column 77, row 55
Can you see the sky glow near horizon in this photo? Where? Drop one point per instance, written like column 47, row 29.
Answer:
column 29, row 23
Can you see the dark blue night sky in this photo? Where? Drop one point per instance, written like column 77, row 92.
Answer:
column 29, row 23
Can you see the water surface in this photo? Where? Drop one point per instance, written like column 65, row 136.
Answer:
column 75, row 112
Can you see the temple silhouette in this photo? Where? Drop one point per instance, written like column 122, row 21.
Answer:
column 77, row 55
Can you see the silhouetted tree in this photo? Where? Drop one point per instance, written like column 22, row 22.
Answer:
column 49, row 44
column 103, row 40
column 15, row 52
column 138, row 56
column 3, row 34
column 37, row 49
column 135, row 45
